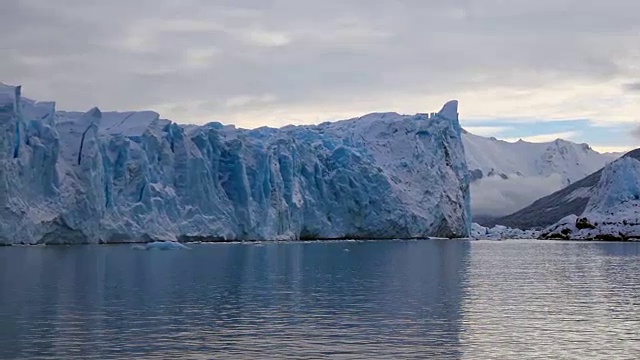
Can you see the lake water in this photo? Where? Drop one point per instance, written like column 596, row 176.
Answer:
column 341, row 300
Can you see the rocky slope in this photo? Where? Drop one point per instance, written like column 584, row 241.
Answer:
column 612, row 205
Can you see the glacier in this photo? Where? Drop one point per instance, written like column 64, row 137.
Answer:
column 110, row 177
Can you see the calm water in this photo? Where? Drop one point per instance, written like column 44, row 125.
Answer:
column 343, row 300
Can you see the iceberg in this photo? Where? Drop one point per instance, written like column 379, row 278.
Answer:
column 162, row 245
column 107, row 177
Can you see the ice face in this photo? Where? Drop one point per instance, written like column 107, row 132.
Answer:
column 112, row 177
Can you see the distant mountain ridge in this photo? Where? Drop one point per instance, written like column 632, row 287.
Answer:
column 552, row 208
column 507, row 176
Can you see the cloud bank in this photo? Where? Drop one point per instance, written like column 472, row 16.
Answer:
column 267, row 62
column 497, row 197
column 636, row 132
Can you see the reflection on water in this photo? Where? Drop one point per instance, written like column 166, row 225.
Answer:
column 376, row 300
column 402, row 300
column 556, row 300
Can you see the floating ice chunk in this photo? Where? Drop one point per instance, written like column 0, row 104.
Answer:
column 165, row 245
column 500, row 232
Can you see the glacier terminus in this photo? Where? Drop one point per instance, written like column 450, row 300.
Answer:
column 107, row 177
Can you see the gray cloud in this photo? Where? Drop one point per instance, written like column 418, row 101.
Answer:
column 223, row 57
column 633, row 87
column 498, row 197
column 636, row 132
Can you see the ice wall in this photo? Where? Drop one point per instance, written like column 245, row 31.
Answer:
column 71, row 177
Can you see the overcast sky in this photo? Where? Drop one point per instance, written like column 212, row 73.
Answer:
column 520, row 68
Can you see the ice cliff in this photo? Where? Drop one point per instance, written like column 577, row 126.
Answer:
column 71, row 177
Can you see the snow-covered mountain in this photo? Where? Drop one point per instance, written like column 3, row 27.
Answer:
column 507, row 176
column 571, row 200
column 612, row 210
column 132, row 176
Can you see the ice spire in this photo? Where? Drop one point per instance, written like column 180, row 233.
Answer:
column 450, row 110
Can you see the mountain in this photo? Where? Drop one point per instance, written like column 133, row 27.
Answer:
column 506, row 176
column 572, row 200
column 73, row 177
column 612, row 205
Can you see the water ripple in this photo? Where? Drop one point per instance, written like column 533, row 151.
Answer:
column 379, row 300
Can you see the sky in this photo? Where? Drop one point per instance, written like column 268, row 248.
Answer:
column 535, row 70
